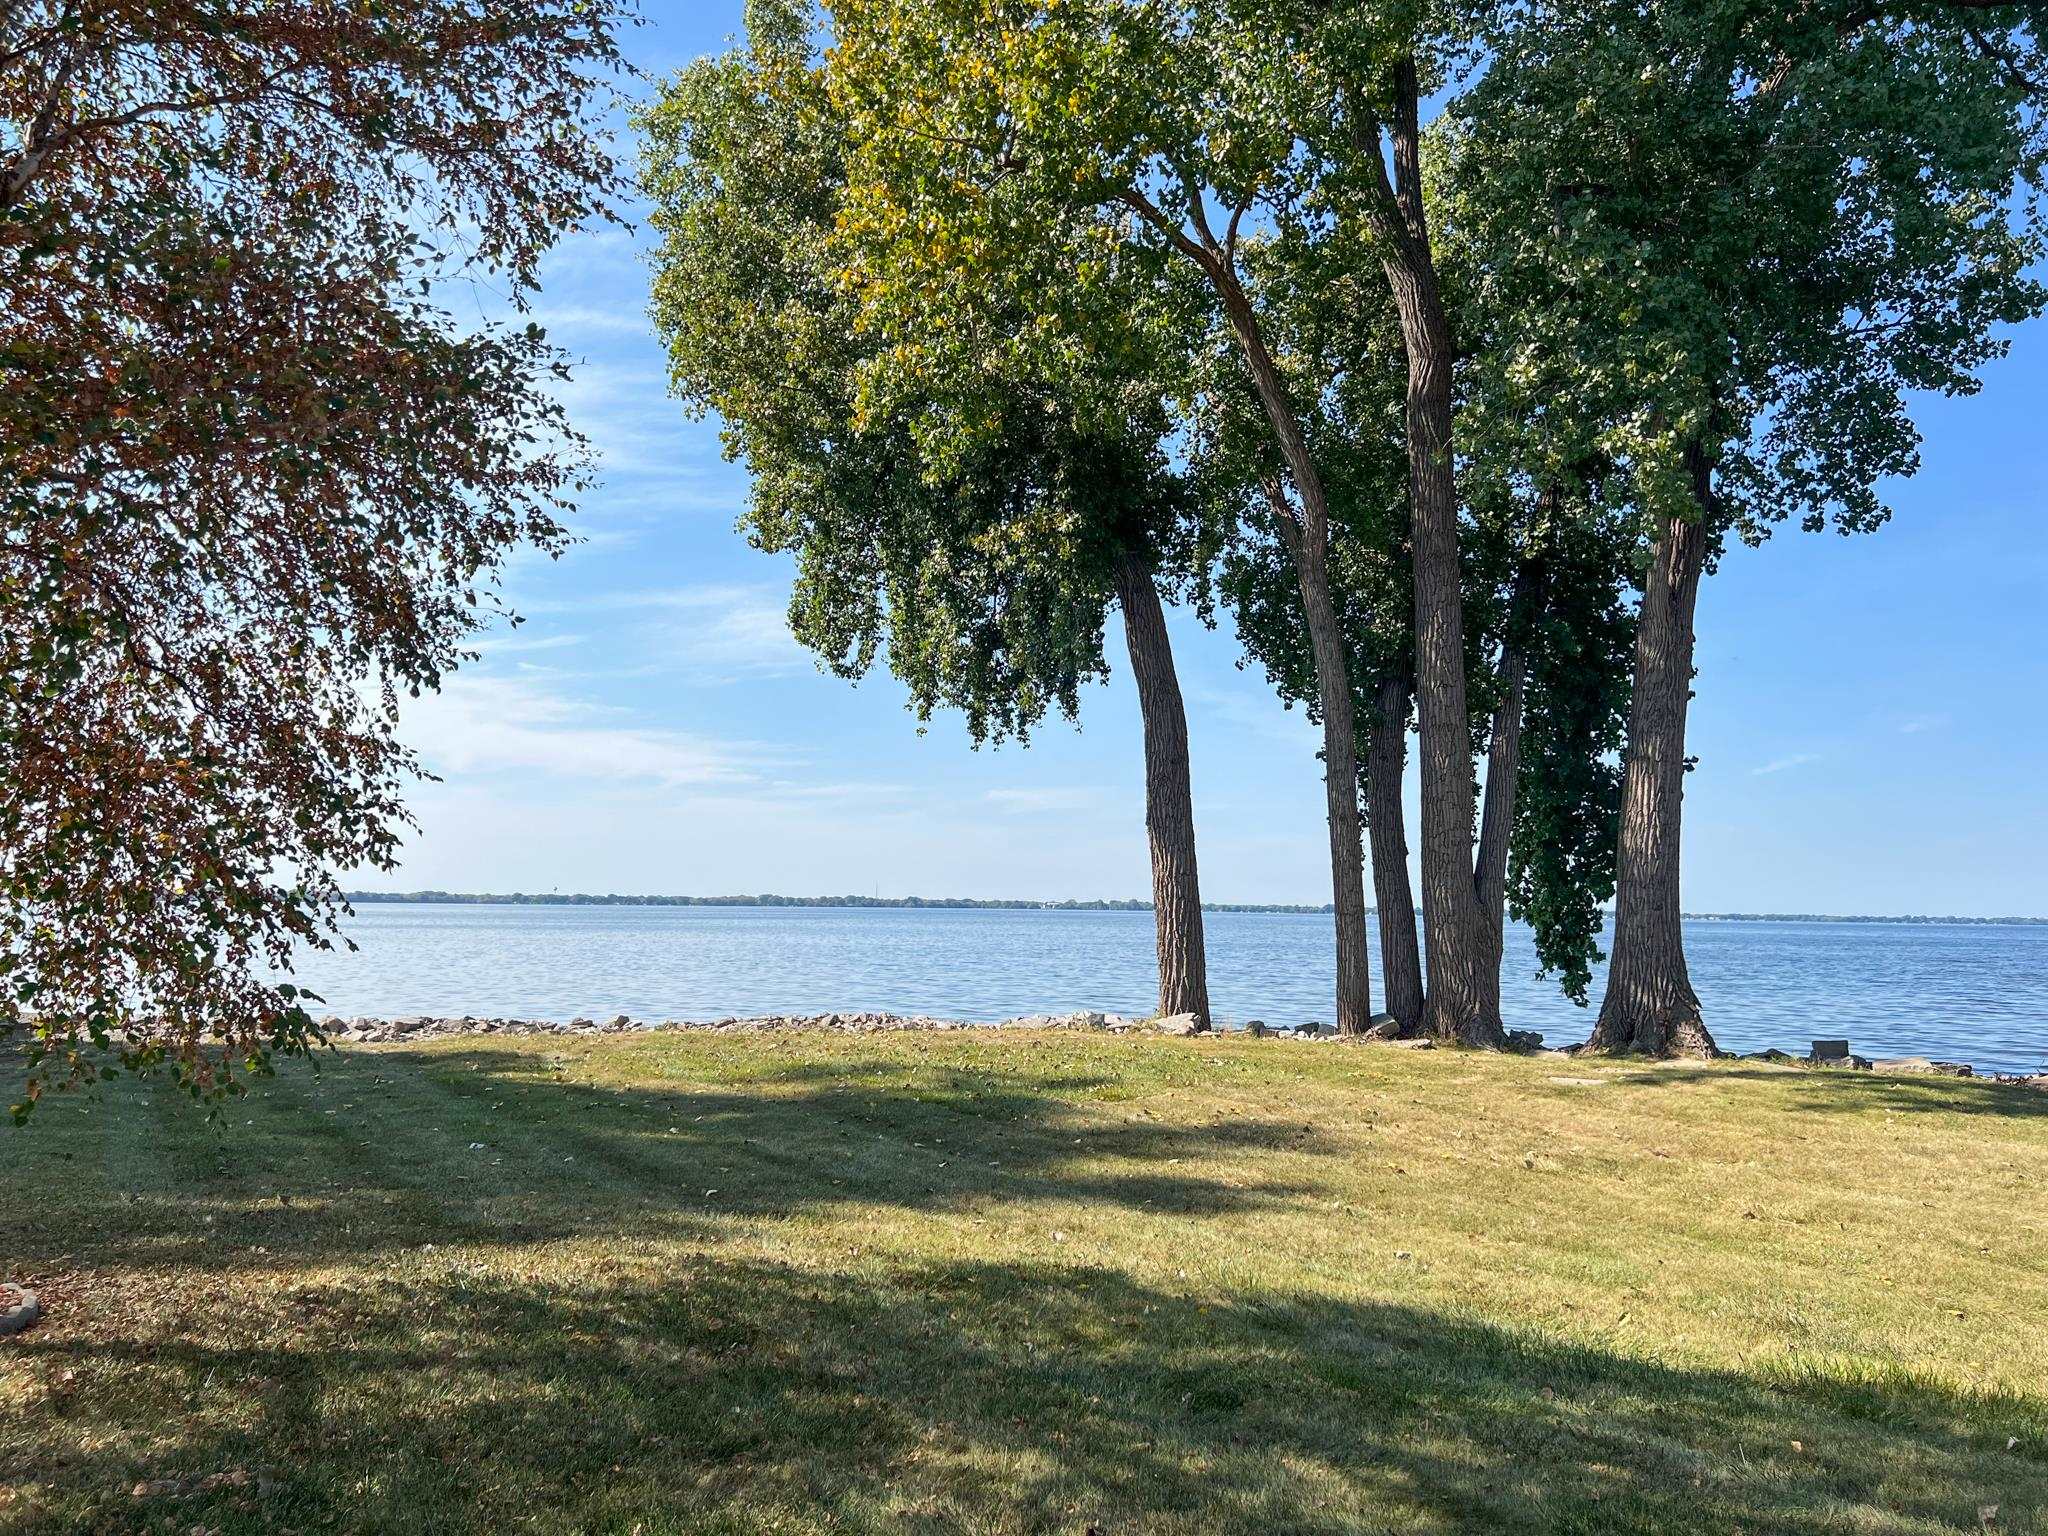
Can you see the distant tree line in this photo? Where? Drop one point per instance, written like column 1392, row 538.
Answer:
column 965, row 903
column 934, row 903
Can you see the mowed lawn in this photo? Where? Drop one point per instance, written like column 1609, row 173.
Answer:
column 1029, row 1282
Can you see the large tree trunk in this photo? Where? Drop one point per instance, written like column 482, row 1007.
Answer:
column 1340, row 779
column 1385, row 763
column 1497, row 817
column 1504, row 768
column 1169, row 797
column 1340, row 784
column 1306, row 533
column 1461, row 1006
column 1650, row 1005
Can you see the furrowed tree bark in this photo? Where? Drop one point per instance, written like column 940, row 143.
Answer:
column 1504, row 766
column 1497, row 817
column 1169, row 794
column 1386, row 762
column 1306, row 532
column 1340, row 778
column 1460, row 1006
column 1650, row 1006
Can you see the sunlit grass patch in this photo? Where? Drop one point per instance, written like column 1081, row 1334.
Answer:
column 1028, row 1282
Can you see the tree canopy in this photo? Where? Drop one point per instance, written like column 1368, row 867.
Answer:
column 255, row 484
column 1711, row 227
column 980, row 562
column 1721, row 248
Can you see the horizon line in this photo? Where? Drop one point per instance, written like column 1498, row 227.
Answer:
column 1105, row 904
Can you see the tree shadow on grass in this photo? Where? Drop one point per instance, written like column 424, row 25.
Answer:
column 490, row 1145
column 1841, row 1091
column 741, row 1397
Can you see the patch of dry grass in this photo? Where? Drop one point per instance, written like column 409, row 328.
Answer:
column 979, row 1282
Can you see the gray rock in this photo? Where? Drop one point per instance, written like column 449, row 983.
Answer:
column 1782, row 1058
column 1525, row 1040
column 1384, row 1026
column 1183, row 1024
column 1923, row 1067
column 1828, row 1050
column 1849, row 1063
column 19, row 1309
column 1256, row 1028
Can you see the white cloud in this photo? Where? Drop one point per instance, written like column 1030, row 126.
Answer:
column 1914, row 725
column 1779, row 765
column 477, row 725
column 594, row 255
column 715, row 632
column 506, row 645
column 1242, row 713
column 708, row 595
column 641, row 434
column 1037, row 802
column 590, row 317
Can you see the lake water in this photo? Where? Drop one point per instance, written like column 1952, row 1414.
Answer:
column 1964, row 992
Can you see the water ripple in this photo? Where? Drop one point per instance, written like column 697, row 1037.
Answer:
column 1965, row 992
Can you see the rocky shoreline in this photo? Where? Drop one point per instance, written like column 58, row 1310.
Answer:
column 412, row 1028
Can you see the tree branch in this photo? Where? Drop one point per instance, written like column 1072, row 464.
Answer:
column 1150, row 212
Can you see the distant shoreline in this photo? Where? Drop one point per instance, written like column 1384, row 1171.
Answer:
column 962, row 903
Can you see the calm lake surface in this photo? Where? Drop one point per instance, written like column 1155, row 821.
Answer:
column 1963, row 992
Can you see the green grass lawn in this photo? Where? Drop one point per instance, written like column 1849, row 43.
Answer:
column 1018, row 1282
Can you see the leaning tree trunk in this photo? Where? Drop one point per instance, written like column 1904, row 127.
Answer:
column 1306, row 534
column 1385, row 762
column 1169, row 797
column 1461, row 1006
column 1650, row 1006
column 1340, row 784
column 1504, row 764
column 1497, row 818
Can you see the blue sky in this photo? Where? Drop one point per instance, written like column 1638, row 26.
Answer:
column 1869, row 722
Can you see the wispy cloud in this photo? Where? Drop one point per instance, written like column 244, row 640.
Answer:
column 1915, row 725
column 479, row 725
column 877, row 793
column 1780, row 764
column 1245, row 716
column 517, row 644
column 571, row 318
column 643, row 436
column 593, row 256
column 1038, row 802
column 703, row 596
column 715, row 632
